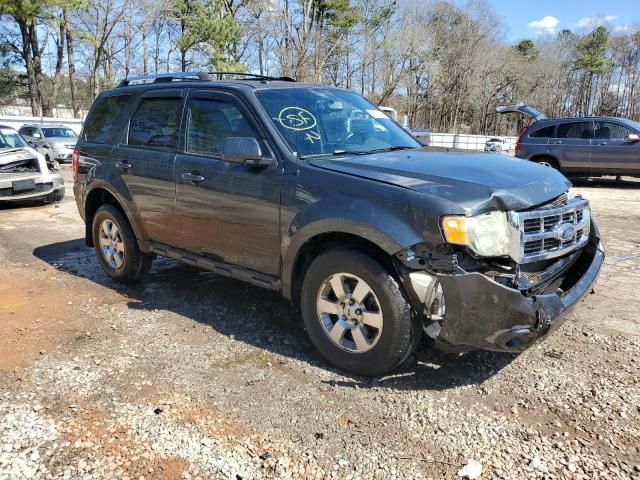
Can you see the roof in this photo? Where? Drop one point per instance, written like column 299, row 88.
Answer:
column 208, row 79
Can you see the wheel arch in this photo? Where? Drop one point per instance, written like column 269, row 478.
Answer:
column 322, row 242
column 97, row 197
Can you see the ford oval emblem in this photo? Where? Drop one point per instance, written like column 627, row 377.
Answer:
column 566, row 232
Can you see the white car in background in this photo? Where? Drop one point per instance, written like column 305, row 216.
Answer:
column 55, row 142
column 24, row 174
column 496, row 144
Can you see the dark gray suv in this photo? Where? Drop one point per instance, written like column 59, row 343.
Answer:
column 312, row 191
column 581, row 146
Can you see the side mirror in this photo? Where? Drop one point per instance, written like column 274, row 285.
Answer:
column 633, row 137
column 244, row 150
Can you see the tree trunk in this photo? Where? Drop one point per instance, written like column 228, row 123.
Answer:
column 73, row 83
column 36, row 107
column 145, row 54
column 57, row 76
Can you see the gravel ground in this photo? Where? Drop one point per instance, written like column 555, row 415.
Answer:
column 190, row 375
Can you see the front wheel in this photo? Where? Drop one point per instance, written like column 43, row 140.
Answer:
column 356, row 315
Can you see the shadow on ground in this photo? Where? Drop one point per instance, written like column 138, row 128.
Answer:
column 263, row 319
column 606, row 182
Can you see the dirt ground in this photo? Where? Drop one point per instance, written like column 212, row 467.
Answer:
column 190, row 375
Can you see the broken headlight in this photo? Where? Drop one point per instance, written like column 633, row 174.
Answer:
column 487, row 234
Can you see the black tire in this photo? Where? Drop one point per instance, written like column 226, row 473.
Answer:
column 55, row 196
column 400, row 329
column 547, row 162
column 136, row 263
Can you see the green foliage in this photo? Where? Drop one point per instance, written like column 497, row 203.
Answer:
column 527, row 49
column 591, row 52
column 29, row 10
column 209, row 25
column 340, row 13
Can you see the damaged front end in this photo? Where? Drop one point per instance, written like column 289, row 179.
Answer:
column 25, row 175
column 506, row 304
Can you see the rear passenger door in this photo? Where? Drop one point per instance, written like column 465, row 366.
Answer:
column 611, row 152
column 146, row 162
column 228, row 211
column 572, row 146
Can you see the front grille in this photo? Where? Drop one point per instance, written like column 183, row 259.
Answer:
column 551, row 231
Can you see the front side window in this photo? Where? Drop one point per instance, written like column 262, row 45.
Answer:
column 575, row 130
column 155, row 123
column 610, row 130
column 210, row 122
column 326, row 121
column 63, row 132
column 105, row 119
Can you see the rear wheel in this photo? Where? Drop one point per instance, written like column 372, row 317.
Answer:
column 355, row 313
column 116, row 246
column 547, row 162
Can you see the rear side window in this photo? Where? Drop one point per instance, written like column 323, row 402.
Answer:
column 546, row 132
column 155, row 123
column 104, row 121
column 581, row 130
column 210, row 122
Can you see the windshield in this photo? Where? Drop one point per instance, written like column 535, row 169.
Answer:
column 58, row 132
column 9, row 138
column 326, row 121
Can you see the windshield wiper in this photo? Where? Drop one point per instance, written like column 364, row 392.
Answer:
column 338, row 153
column 335, row 153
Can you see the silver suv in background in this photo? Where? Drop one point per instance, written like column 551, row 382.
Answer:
column 585, row 146
column 55, row 142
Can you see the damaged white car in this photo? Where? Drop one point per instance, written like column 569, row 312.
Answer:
column 24, row 174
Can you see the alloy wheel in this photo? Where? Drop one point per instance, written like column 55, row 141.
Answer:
column 111, row 244
column 349, row 312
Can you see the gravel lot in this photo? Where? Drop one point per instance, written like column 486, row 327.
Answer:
column 190, row 375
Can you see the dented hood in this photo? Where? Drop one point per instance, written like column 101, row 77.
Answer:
column 18, row 154
column 468, row 182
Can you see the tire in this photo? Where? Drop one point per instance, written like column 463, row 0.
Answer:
column 384, row 348
column 123, row 261
column 55, row 196
column 547, row 162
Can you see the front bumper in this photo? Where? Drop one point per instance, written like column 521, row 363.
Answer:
column 61, row 155
column 43, row 185
column 484, row 314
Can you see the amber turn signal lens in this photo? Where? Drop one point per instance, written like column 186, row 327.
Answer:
column 455, row 230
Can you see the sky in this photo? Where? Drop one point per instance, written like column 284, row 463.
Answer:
column 532, row 18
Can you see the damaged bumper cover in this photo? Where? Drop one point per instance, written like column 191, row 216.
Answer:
column 24, row 175
column 26, row 186
column 484, row 314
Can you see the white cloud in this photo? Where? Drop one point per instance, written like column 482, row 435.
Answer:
column 598, row 21
column 623, row 29
column 547, row 24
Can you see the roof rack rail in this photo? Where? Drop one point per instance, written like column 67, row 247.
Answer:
column 204, row 76
column 255, row 76
column 164, row 77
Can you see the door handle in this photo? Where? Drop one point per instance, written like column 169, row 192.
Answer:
column 603, row 143
column 558, row 142
column 193, row 177
column 124, row 165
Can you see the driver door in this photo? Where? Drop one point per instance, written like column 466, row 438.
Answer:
column 227, row 211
